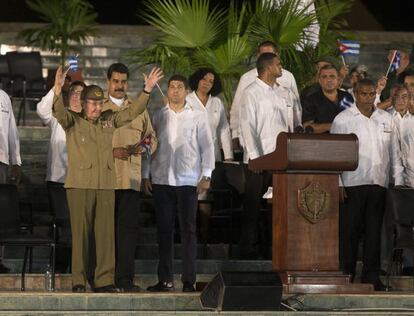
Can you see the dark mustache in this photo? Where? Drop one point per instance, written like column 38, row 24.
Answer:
column 119, row 90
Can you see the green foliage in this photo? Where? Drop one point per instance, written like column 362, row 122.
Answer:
column 69, row 22
column 193, row 35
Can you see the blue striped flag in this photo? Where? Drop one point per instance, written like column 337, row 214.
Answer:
column 73, row 63
column 345, row 103
column 395, row 64
column 347, row 47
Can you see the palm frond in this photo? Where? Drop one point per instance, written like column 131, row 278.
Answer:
column 68, row 22
column 332, row 24
column 184, row 23
column 228, row 60
column 170, row 59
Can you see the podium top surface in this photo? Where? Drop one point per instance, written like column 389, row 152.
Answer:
column 310, row 152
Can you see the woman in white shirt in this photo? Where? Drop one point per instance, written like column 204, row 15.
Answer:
column 206, row 85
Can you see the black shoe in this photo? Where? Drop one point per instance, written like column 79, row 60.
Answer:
column 4, row 269
column 161, row 287
column 188, row 287
column 378, row 285
column 78, row 289
column 130, row 289
column 107, row 289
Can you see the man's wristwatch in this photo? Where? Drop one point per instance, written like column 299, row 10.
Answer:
column 206, row 178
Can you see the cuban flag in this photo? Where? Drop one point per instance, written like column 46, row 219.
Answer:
column 348, row 47
column 346, row 102
column 145, row 143
column 73, row 63
column 395, row 64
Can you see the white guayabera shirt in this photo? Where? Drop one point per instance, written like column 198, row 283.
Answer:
column 185, row 151
column 57, row 157
column 220, row 130
column 405, row 134
column 287, row 80
column 9, row 136
column 379, row 153
column 264, row 114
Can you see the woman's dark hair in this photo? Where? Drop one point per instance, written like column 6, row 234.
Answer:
column 199, row 74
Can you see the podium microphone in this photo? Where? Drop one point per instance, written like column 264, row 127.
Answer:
column 299, row 129
column 309, row 129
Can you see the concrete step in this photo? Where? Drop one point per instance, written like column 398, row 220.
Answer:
column 205, row 266
column 177, row 303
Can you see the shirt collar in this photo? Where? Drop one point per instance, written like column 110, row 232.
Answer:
column 264, row 85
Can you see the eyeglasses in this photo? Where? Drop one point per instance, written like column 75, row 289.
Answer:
column 76, row 93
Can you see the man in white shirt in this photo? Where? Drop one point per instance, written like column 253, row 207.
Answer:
column 286, row 80
column 57, row 165
column 365, row 187
column 9, row 142
column 264, row 114
column 9, row 148
column 180, row 169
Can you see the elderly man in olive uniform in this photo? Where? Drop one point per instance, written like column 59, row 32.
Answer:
column 90, row 181
column 128, row 174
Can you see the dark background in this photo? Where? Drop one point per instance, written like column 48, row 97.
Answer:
column 393, row 15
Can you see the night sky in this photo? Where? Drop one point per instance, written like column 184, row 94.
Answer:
column 393, row 15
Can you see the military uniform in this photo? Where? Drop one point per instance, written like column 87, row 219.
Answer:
column 90, row 183
column 128, row 185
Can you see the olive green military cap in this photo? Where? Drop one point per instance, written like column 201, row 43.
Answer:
column 92, row 92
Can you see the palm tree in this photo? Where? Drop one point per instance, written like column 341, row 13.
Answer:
column 191, row 38
column 69, row 22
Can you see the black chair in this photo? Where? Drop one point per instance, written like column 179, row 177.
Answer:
column 4, row 74
column 15, row 234
column 59, row 209
column 27, row 82
column 400, row 219
column 223, row 198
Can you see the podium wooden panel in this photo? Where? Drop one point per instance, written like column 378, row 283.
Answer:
column 305, row 246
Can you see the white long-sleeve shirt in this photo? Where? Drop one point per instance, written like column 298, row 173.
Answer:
column 57, row 158
column 185, row 150
column 9, row 135
column 220, row 129
column 287, row 80
column 264, row 114
column 378, row 147
column 405, row 132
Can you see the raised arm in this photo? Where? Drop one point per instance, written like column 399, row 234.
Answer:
column 139, row 105
column 64, row 117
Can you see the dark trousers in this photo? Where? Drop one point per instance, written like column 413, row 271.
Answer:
column 169, row 202
column 255, row 186
column 362, row 216
column 127, row 203
column 58, row 204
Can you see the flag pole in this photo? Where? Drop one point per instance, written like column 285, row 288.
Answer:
column 159, row 88
column 343, row 59
column 392, row 60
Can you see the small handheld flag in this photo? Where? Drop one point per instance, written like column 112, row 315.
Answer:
column 73, row 63
column 348, row 47
column 395, row 62
column 345, row 103
column 144, row 143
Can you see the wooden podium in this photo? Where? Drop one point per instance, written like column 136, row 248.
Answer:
column 305, row 217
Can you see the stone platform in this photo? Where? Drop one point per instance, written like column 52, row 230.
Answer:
column 36, row 301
